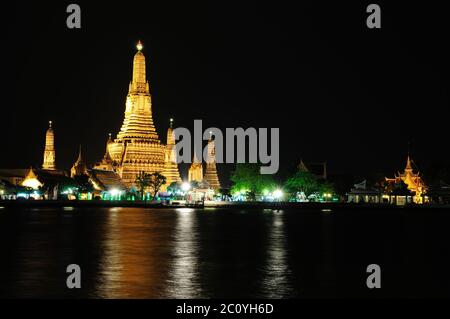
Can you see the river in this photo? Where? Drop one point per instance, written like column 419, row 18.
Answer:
column 223, row 253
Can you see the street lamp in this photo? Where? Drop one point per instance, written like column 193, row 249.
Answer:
column 114, row 194
column 185, row 186
column 277, row 194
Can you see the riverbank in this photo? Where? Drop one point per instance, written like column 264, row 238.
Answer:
column 209, row 204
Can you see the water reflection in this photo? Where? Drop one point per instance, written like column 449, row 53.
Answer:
column 110, row 265
column 183, row 279
column 277, row 272
column 30, row 266
column 326, row 261
column 134, row 263
column 185, row 253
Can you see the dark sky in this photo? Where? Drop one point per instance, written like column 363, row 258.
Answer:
column 337, row 90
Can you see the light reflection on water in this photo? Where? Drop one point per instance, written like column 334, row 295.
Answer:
column 110, row 265
column 276, row 282
column 148, row 253
column 134, row 259
column 221, row 253
column 183, row 272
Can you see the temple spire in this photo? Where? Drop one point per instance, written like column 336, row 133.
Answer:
column 170, row 134
column 195, row 172
column 195, row 158
column 139, row 83
column 107, row 156
column 211, row 176
column 139, row 46
column 171, row 171
column 49, row 152
column 302, row 167
column 79, row 167
column 408, row 164
column 408, row 160
column 80, row 158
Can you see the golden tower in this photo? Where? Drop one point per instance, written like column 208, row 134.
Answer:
column 171, row 171
column 49, row 152
column 137, row 147
column 195, row 170
column 211, row 171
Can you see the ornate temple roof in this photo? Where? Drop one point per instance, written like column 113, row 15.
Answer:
column 106, row 180
column 79, row 167
column 412, row 180
column 318, row 169
column 31, row 180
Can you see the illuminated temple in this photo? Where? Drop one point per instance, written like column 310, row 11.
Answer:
column 412, row 180
column 137, row 147
column 49, row 151
column 211, row 176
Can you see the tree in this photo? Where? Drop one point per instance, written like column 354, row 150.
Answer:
column 48, row 187
column 326, row 188
column 225, row 192
column 142, row 182
column 156, row 181
column 247, row 178
column 194, row 184
column 132, row 193
column 303, row 181
column 174, row 187
column 83, row 184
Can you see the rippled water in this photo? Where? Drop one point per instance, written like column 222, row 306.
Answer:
column 221, row 253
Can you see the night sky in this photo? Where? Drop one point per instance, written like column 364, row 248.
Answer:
column 337, row 90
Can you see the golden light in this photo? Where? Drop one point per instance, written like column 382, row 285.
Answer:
column 114, row 192
column 96, row 186
column 31, row 180
column 139, row 46
column 184, row 210
column 278, row 193
column 32, row 183
column 185, row 186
